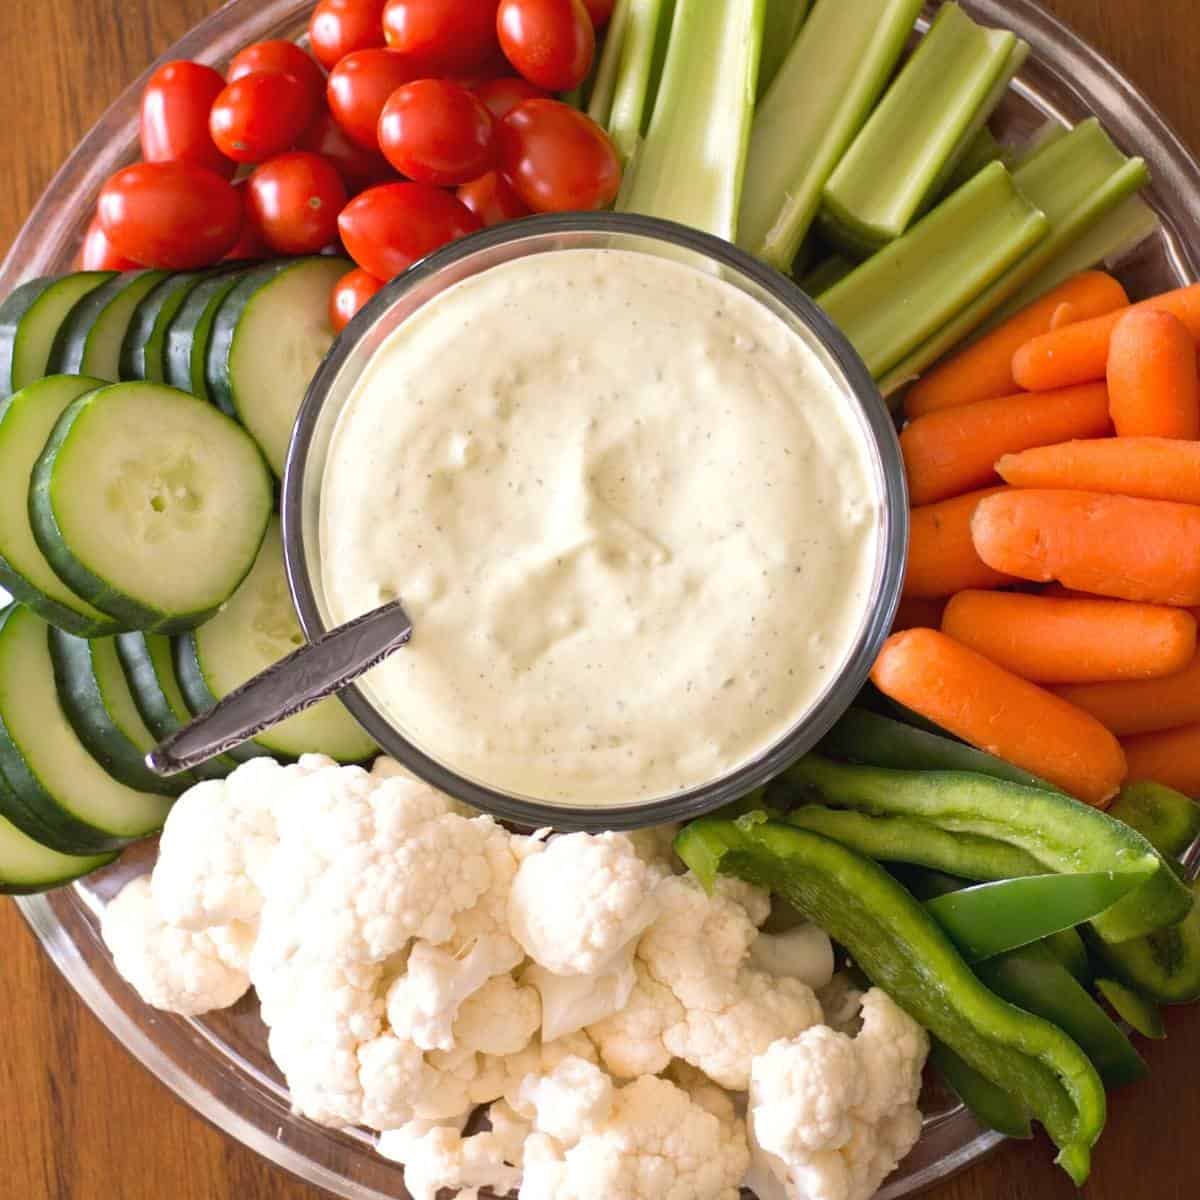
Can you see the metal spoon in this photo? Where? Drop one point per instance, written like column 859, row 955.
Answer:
column 293, row 684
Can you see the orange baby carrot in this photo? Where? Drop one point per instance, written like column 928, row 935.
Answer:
column 1147, row 550
column 918, row 612
column 1153, row 468
column 1141, row 706
column 941, row 555
column 955, row 450
column 1153, row 388
column 984, row 369
column 1046, row 640
column 997, row 711
column 1078, row 353
column 1171, row 757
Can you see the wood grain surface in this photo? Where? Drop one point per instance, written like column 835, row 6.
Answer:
column 80, row 1120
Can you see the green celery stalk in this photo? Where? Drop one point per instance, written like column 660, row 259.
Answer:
column 1043, row 138
column 783, row 21
column 639, row 72
column 824, row 92
column 607, row 69
column 826, row 273
column 895, row 301
column 982, row 149
column 919, row 129
column 690, row 166
column 1075, row 180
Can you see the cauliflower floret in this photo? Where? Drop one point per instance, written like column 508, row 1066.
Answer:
column 655, row 1142
column 512, row 1129
column 540, row 1058
column 174, row 969
column 571, row 1100
column 631, row 1041
column 655, row 846
column 443, row 1158
column 456, row 1080
column 804, row 952
column 755, row 900
column 488, row 916
column 571, row 1002
column 702, row 1090
column 841, row 1002
column 500, row 1018
column 579, row 903
column 893, row 1048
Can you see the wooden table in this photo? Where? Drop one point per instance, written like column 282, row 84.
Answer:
column 79, row 1119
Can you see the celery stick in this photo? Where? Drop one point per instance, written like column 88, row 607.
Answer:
column 783, row 21
column 607, row 70
column 912, row 138
column 892, row 303
column 639, row 72
column 825, row 274
column 1046, row 134
column 1075, row 180
column 981, row 150
column 824, row 92
column 689, row 168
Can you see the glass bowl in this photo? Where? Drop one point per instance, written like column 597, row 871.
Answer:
column 219, row 1064
column 334, row 383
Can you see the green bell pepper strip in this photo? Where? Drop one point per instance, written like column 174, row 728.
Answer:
column 1064, row 835
column 1067, row 946
column 901, row 949
column 1133, row 1008
column 990, row 1105
column 1167, row 819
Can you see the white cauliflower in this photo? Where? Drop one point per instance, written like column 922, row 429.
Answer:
column 540, row 1058
column 630, row 1042
column 803, row 952
column 442, row 1158
column 841, row 1002
column 572, row 1099
column 576, row 906
column 500, row 1019
column 572, row 1002
column 655, row 846
column 178, row 970
column 456, row 1080
column 512, row 1129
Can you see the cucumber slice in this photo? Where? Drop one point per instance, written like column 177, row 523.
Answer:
column 89, row 341
column 268, row 339
column 27, row 866
column 146, row 661
column 97, row 701
column 256, row 628
column 190, row 334
column 26, row 421
column 84, row 809
column 142, row 354
column 29, row 322
column 150, row 504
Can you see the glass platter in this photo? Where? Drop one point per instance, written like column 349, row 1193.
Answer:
column 219, row 1064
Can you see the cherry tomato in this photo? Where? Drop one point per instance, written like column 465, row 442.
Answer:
column 390, row 227
column 445, row 38
column 281, row 57
column 294, row 199
column 98, row 253
column 557, row 158
column 503, row 95
column 495, row 67
column 339, row 27
column 250, row 244
column 550, row 42
column 359, row 167
column 359, row 87
column 170, row 214
column 175, row 108
column 492, row 199
column 260, row 115
column 435, row 131
column 349, row 294
column 600, row 11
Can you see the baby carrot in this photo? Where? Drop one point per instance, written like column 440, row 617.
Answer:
column 1147, row 550
column 997, row 711
column 1171, row 757
column 984, row 369
column 1047, row 640
column 1143, row 705
column 1153, row 388
column 1152, row 468
column 1078, row 353
column 955, row 450
column 941, row 555
column 918, row 612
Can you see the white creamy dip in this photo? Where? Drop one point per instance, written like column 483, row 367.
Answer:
column 629, row 511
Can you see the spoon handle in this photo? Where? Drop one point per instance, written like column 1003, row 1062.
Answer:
column 291, row 685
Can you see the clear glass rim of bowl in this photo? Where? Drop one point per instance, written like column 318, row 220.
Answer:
column 305, row 463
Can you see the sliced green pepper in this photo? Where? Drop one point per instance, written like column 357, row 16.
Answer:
column 1167, row 819
column 991, row 1106
column 1133, row 1008
column 1067, row 946
column 903, row 950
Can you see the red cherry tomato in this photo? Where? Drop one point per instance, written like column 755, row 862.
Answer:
column 445, row 38
column 250, row 244
column 339, row 27
column 359, row 167
column 98, row 253
column 359, row 87
column 260, row 115
column 492, row 199
column 281, row 57
column 495, row 67
column 349, row 294
column 435, row 131
column 600, row 11
column 388, row 228
column 550, row 42
column 557, row 158
column 175, row 108
column 170, row 214
column 503, row 95
column 294, row 199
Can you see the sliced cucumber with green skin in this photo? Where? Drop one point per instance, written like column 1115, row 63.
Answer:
column 190, row 334
column 143, row 350
column 29, row 322
column 84, row 810
column 269, row 336
column 26, row 421
column 89, row 341
column 96, row 698
column 146, row 660
column 255, row 629
column 150, row 504
column 27, row 866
